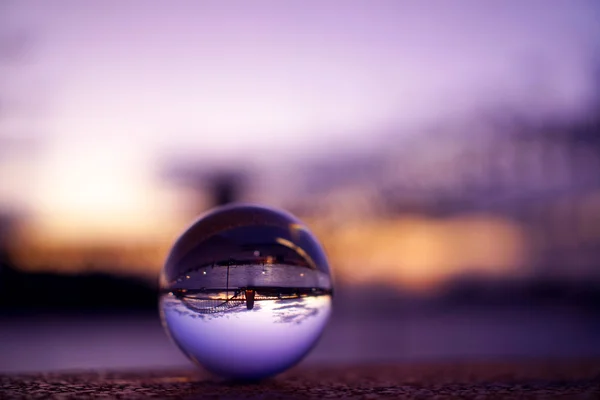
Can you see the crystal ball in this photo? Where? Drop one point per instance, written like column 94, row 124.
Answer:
column 245, row 291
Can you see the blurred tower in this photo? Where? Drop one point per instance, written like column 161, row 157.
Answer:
column 225, row 187
column 206, row 185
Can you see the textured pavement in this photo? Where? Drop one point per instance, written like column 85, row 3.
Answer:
column 523, row 380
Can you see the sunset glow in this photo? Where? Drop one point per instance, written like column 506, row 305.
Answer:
column 114, row 94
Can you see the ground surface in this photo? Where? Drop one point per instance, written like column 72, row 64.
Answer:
column 548, row 379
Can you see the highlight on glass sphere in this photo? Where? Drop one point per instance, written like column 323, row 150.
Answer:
column 245, row 291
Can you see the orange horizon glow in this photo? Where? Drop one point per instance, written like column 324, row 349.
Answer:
column 411, row 251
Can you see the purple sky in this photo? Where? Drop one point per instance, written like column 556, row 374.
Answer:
column 121, row 86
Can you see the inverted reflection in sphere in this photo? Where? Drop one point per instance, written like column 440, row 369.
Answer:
column 246, row 291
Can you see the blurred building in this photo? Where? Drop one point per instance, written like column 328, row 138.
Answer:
column 525, row 194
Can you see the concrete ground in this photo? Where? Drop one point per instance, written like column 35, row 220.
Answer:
column 523, row 380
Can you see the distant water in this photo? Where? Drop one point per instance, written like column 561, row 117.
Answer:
column 45, row 343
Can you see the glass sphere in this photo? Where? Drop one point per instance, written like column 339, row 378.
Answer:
column 245, row 291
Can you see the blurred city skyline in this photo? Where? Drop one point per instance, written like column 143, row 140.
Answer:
column 114, row 116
